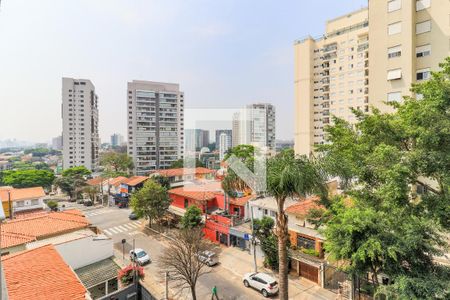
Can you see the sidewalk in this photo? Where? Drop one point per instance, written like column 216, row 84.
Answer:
column 240, row 262
column 153, row 285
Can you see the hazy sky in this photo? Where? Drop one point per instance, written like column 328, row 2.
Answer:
column 223, row 53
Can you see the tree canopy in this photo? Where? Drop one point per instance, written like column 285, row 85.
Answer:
column 116, row 164
column 192, row 218
column 28, row 178
column 76, row 171
column 387, row 227
column 151, row 201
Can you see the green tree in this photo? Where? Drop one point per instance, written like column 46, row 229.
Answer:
column 387, row 227
column 163, row 181
column 73, row 181
column 53, row 205
column 290, row 176
column 192, row 218
column 28, row 178
column 180, row 164
column 91, row 191
column 117, row 164
column 263, row 229
column 76, row 172
column 232, row 183
column 151, row 201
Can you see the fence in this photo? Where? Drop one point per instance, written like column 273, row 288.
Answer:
column 337, row 281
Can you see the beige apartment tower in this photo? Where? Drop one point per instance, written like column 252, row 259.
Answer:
column 365, row 59
column 331, row 75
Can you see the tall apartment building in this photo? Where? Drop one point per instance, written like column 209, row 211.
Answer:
column 218, row 132
column 407, row 40
column 80, row 123
column 155, row 124
column 116, row 140
column 255, row 125
column 224, row 144
column 235, row 132
column 195, row 139
column 331, row 75
column 364, row 59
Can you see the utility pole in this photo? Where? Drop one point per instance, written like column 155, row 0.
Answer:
column 253, row 239
column 167, row 286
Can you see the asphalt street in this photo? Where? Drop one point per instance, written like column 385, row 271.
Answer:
column 114, row 223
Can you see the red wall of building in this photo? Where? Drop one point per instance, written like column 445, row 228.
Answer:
column 178, row 201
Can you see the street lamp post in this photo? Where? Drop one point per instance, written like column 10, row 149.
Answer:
column 123, row 249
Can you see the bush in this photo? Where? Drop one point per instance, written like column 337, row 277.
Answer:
column 126, row 274
column 311, row 252
column 53, row 205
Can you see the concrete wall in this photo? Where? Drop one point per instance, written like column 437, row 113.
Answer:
column 85, row 251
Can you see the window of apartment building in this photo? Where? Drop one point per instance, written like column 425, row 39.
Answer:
column 424, row 50
column 394, row 28
column 394, row 5
column 422, row 4
column 394, row 97
column 423, row 74
column 394, row 74
column 395, row 51
column 423, row 27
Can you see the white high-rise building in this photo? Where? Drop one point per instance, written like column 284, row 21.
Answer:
column 80, row 123
column 224, row 144
column 155, row 124
column 255, row 125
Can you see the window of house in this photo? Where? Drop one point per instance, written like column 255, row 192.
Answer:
column 273, row 213
column 394, row 28
column 20, row 203
column 394, row 97
column 423, row 74
column 35, row 202
column 305, row 243
column 394, row 74
column 424, row 50
column 423, row 27
column 265, row 212
column 186, row 203
column 394, row 5
column 395, row 51
column 422, row 4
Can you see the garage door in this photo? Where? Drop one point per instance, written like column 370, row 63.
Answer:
column 309, row 272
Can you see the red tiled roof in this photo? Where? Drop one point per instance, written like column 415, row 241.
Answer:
column 10, row 239
column 95, row 181
column 182, row 171
column 117, row 181
column 241, row 201
column 41, row 226
column 41, row 274
column 21, row 194
column 303, row 207
column 194, row 193
column 135, row 180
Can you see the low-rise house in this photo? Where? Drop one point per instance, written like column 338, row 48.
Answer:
column 222, row 213
column 306, row 242
column 179, row 176
column 113, row 184
column 17, row 234
column 22, row 200
column 132, row 184
column 41, row 273
column 267, row 207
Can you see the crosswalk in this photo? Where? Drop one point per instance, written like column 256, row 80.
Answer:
column 97, row 212
column 131, row 226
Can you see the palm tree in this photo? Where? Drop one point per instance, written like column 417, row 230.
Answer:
column 290, row 176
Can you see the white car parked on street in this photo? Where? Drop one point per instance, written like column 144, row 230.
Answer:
column 140, row 256
column 262, row 282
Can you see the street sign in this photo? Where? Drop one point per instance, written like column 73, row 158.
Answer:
column 246, row 236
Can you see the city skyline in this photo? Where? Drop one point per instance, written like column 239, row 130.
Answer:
column 227, row 52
